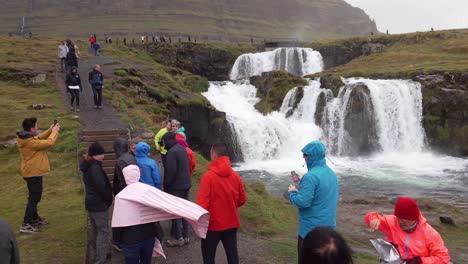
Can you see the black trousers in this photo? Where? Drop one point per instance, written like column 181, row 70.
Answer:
column 97, row 93
column 299, row 249
column 75, row 94
column 180, row 227
column 34, row 197
column 228, row 238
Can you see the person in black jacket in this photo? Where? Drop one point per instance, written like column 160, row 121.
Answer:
column 178, row 183
column 124, row 158
column 73, row 82
column 98, row 199
column 138, row 240
column 9, row 253
column 96, row 80
column 72, row 59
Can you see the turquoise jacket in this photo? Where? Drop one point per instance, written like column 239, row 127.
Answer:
column 317, row 197
column 181, row 131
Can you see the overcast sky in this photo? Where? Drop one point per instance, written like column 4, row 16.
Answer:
column 400, row 16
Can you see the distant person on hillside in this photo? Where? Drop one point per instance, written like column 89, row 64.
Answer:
column 124, row 158
column 30, row 34
column 9, row 253
column 159, row 142
column 125, row 41
column 142, row 39
column 97, row 49
column 72, row 59
column 176, row 127
column 324, row 245
column 73, row 83
column 96, row 80
column 92, row 40
column 62, row 54
column 221, row 193
column 34, row 165
column 110, row 40
column 180, row 39
column 106, row 39
column 133, row 41
column 189, row 39
column 316, row 196
column 177, row 182
column 407, row 229
column 149, row 169
column 98, row 199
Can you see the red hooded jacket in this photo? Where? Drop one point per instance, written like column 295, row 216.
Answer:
column 424, row 242
column 221, row 193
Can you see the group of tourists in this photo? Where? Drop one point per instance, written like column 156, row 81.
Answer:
column 143, row 196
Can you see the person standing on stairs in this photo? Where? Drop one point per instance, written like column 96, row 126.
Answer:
column 96, row 80
column 73, row 82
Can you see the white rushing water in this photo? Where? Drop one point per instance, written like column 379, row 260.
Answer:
column 271, row 144
column 299, row 61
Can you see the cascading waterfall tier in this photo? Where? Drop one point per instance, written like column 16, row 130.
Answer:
column 299, row 61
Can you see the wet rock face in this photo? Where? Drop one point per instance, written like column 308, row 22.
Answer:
column 360, row 122
column 331, row 82
column 204, row 127
column 445, row 110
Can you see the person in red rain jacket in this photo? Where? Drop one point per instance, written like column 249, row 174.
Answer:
column 191, row 156
column 416, row 240
column 221, row 192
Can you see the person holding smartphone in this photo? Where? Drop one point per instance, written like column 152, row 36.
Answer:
column 34, row 165
column 316, row 195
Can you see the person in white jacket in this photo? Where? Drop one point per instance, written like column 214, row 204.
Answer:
column 62, row 54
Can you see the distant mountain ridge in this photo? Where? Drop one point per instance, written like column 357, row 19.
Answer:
column 302, row 19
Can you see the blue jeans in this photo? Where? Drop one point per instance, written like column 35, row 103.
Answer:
column 139, row 253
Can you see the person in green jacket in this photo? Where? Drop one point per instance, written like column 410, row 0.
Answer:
column 159, row 143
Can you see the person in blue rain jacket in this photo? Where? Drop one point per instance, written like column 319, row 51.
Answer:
column 150, row 173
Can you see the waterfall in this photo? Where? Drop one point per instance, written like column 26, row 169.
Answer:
column 299, row 61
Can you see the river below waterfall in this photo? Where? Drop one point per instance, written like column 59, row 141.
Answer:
column 400, row 162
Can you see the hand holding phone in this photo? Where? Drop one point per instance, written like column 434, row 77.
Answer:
column 295, row 178
column 55, row 122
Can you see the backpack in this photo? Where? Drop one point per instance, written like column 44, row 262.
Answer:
column 96, row 79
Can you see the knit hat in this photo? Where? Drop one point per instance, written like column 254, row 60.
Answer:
column 131, row 174
column 406, row 208
column 95, row 149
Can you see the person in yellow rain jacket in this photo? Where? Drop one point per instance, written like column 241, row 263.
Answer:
column 159, row 142
column 34, row 165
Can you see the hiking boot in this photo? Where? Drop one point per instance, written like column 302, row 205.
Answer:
column 39, row 222
column 72, row 108
column 186, row 240
column 99, row 107
column 28, row 228
column 77, row 109
column 175, row 243
column 95, row 107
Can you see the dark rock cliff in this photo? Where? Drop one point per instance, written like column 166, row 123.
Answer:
column 206, row 126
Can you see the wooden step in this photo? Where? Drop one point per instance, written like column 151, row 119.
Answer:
column 109, row 156
column 109, row 170
column 99, row 138
column 124, row 132
column 108, row 163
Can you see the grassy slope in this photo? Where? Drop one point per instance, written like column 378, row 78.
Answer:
column 410, row 54
column 62, row 204
column 310, row 19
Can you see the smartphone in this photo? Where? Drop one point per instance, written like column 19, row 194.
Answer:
column 55, row 122
column 294, row 177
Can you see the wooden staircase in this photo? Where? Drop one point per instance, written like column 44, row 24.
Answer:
column 106, row 138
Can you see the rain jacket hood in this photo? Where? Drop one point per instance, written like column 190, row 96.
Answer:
column 142, row 150
column 131, row 174
column 221, row 166
column 25, row 135
column 181, row 131
column 120, row 147
column 315, row 152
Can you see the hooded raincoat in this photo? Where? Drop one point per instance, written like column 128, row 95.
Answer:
column 423, row 242
column 149, row 169
column 221, row 192
column 317, row 197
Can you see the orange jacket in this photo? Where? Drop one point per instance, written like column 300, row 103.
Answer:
column 221, row 192
column 424, row 242
column 34, row 160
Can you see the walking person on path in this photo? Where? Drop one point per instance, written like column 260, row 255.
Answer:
column 148, row 167
column 34, row 165
column 97, row 49
column 73, row 82
column 316, row 197
column 98, row 199
column 62, row 54
column 221, row 192
column 72, row 59
column 96, row 80
column 177, row 182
